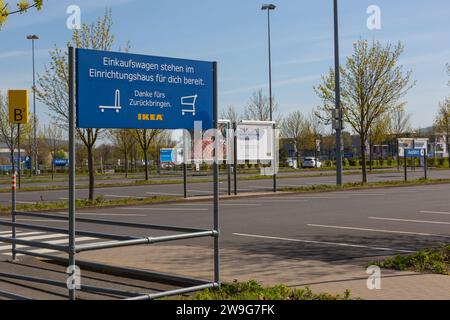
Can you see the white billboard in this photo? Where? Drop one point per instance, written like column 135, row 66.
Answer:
column 255, row 142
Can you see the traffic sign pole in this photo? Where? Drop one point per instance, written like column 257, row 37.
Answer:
column 425, row 164
column 13, row 213
column 18, row 152
column 406, row 167
column 72, row 153
column 235, row 160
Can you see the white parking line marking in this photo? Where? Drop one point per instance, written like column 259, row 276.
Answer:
column 164, row 193
column 221, row 204
column 408, row 220
column 260, row 187
column 9, row 234
column 167, row 209
column 60, row 241
column 435, row 212
column 379, row 230
column 25, row 202
column 33, row 220
column 199, row 191
column 106, row 214
column 358, row 193
column 116, row 196
column 276, row 201
column 321, row 242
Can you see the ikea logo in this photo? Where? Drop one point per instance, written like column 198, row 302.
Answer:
column 150, row 117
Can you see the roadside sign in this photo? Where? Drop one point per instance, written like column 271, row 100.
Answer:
column 61, row 162
column 414, row 153
column 18, row 106
column 348, row 155
column 167, row 155
column 122, row 90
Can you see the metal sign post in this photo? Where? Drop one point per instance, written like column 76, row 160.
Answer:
column 89, row 91
column 425, row 164
column 406, row 167
column 235, row 160
column 13, row 214
column 185, row 145
column 72, row 161
column 18, row 153
column 216, row 178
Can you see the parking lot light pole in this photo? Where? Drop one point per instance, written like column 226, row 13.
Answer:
column 270, row 7
column 337, row 90
column 34, row 37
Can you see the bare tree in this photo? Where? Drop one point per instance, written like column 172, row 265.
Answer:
column 259, row 107
column 373, row 83
column 295, row 126
column 8, row 131
column 124, row 140
column 53, row 85
column 230, row 113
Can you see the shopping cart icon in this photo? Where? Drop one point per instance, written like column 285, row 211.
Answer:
column 116, row 106
column 188, row 101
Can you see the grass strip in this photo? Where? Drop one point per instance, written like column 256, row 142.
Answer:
column 253, row 290
column 434, row 260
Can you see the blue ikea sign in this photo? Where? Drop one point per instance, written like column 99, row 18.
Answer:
column 122, row 90
column 167, row 155
column 61, row 162
column 414, row 153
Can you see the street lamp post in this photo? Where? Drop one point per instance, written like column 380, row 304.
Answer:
column 34, row 37
column 270, row 7
column 338, row 114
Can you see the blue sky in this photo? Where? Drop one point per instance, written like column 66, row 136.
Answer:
column 234, row 33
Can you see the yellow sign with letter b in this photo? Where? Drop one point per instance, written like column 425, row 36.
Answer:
column 18, row 106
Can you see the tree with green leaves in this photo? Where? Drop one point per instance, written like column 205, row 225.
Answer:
column 442, row 122
column 372, row 85
column 53, row 136
column 21, row 7
column 53, row 86
column 377, row 134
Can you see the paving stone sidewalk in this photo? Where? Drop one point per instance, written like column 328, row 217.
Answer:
column 332, row 277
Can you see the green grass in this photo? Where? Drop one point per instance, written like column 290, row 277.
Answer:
column 98, row 202
column 253, row 290
column 360, row 185
column 435, row 260
column 197, row 180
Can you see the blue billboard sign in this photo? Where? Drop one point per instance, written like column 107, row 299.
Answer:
column 348, row 155
column 167, row 155
column 122, row 90
column 414, row 153
column 61, row 162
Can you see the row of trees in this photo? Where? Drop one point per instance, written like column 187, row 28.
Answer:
column 373, row 85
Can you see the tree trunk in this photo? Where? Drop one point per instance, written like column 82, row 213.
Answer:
column 91, row 172
column 146, row 164
column 363, row 158
column 126, row 164
column 370, row 157
column 53, row 167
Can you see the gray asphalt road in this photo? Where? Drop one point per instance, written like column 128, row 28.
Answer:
column 323, row 226
column 197, row 189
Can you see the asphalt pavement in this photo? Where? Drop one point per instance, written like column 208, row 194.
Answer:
column 202, row 189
